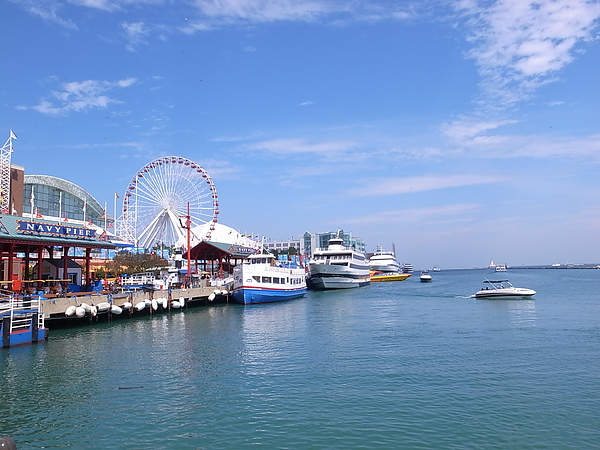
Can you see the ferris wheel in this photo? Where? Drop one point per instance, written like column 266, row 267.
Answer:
column 155, row 204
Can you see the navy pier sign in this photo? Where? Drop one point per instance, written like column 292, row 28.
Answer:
column 61, row 230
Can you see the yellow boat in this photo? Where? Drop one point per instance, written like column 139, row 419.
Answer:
column 383, row 276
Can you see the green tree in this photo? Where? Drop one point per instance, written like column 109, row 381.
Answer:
column 130, row 263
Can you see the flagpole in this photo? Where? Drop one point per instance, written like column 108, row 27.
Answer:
column 84, row 208
column 60, row 207
column 31, row 199
column 115, row 213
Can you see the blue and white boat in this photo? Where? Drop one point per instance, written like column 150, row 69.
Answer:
column 263, row 279
column 21, row 321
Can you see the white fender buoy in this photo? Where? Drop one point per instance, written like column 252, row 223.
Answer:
column 93, row 311
column 224, row 292
column 182, row 301
column 211, row 297
column 163, row 301
column 140, row 306
column 175, row 304
column 116, row 309
column 217, row 291
column 80, row 312
column 147, row 302
column 126, row 305
column 70, row 311
column 104, row 306
column 154, row 305
column 86, row 307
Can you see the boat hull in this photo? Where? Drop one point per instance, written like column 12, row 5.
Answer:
column 252, row 296
column 499, row 293
column 330, row 276
column 390, row 277
column 27, row 337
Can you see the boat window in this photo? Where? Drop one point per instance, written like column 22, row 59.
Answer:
column 256, row 278
column 275, row 280
column 266, row 279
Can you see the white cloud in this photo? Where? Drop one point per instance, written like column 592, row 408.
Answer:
column 78, row 96
column 521, row 45
column 444, row 213
column 298, row 146
column 262, row 10
column 135, row 33
column 392, row 186
column 47, row 11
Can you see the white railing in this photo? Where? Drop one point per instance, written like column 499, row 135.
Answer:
column 22, row 312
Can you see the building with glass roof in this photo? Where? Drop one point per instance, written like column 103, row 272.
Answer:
column 57, row 199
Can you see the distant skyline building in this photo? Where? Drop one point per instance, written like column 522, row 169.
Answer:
column 312, row 241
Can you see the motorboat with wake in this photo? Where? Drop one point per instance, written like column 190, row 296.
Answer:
column 502, row 288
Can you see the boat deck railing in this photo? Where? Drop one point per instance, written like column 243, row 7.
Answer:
column 22, row 312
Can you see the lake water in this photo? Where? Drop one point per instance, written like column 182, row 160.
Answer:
column 390, row 365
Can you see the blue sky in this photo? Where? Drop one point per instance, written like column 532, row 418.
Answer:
column 459, row 131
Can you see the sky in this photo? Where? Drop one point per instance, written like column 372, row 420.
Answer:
column 456, row 131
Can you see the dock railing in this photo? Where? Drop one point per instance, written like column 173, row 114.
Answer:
column 22, row 311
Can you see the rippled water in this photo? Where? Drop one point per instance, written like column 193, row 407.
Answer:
column 391, row 365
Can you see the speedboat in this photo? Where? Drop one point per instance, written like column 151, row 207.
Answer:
column 388, row 276
column 425, row 276
column 502, row 288
column 338, row 267
column 263, row 279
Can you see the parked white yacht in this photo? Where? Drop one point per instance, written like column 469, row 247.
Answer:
column 338, row 267
column 384, row 261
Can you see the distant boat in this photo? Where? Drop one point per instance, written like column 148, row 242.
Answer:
column 338, row 267
column 407, row 268
column 436, row 268
column 388, row 276
column 263, row 279
column 501, row 268
column 502, row 288
column 425, row 276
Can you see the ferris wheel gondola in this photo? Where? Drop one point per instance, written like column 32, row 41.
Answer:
column 155, row 204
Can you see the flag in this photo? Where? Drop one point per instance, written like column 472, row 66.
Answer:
column 12, row 135
column 37, row 214
column 66, row 219
column 117, row 195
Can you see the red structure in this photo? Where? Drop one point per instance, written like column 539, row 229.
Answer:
column 25, row 243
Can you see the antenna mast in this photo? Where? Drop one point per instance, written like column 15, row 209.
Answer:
column 5, row 163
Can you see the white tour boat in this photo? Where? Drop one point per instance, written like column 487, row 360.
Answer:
column 502, row 288
column 384, row 261
column 338, row 267
column 263, row 279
